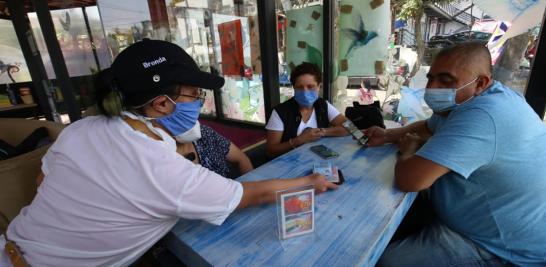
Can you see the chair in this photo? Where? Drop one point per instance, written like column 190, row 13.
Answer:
column 256, row 153
column 18, row 174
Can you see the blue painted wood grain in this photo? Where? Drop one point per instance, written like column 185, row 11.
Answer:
column 352, row 224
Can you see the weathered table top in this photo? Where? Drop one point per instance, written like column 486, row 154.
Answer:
column 352, row 224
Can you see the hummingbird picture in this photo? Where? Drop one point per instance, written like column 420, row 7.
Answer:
column 359, row 36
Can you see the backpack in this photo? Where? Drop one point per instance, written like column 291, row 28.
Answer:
column 365, row 116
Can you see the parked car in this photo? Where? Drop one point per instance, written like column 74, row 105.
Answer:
column 439, row 41
column 470, row 36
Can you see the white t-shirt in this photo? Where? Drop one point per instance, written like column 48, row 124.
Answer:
column 275, row 122
column 111, row 192
column 4, row 259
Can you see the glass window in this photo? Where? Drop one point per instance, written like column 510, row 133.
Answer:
column 513, row 58
column 84, row 49
column 129, row 21
column 363, row 56
column 299, row 34
column 222, row 36
column 74, row 40
column 12, row 61
column 99, row 39
column 384, row 58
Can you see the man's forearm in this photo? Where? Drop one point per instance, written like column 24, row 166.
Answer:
column 420, row 128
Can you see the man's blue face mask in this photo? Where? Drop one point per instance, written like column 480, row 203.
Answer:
column 183, row 118
column 443, row 99
column 306, row 98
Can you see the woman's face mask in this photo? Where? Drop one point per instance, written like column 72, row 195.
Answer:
column 444, row 99
column 182, row 120
column 191, row 135
column 306, row 98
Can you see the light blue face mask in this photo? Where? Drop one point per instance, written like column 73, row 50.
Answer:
column 443, row 99
column 183, row 118
column 306, row 98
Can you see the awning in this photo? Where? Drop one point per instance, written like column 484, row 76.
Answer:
column 523, row 14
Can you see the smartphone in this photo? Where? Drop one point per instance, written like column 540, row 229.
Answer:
column 355, row 132
column 341, row 178
column 329, row 171
column 324, row 152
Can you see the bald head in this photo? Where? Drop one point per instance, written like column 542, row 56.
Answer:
column 471, row 56
column 465, row 67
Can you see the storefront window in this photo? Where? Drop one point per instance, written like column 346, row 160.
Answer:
column 80, row 55
column 128, row 21
column 513, row 64
column 100, row 43
column 222, row 36
column 376, row 49
column 12, row 61
column 299, row 33
column 362, row 53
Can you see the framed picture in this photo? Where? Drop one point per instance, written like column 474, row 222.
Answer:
column 296, row 210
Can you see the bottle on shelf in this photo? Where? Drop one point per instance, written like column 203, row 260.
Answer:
column 11, row 95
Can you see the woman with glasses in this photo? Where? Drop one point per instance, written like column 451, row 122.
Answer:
column 202, row 145
column 304, row 118
column 114, row 184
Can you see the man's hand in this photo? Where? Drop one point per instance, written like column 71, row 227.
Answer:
column 309, row 135
column 377, row 136
column 320, row 183
column 409, row 143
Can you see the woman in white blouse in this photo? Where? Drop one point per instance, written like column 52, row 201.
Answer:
column 305, row 117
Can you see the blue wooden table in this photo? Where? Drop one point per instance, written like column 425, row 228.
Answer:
column 352, row 224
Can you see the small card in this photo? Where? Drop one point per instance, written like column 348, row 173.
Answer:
column 297, row 212
column 344, row 65
column 347, row 9
column 315, row 15
column 292, row 66
column 376, row 3
column 328, row 170
column 379, row 67
column 293, row 23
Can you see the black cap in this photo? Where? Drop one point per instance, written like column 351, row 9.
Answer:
column 143, row 70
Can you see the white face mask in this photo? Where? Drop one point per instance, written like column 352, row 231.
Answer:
column 191, row 135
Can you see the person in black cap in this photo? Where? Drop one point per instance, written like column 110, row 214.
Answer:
column 198, row 143
column 115, row 184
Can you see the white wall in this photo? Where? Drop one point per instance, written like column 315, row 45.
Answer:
column 452, row 27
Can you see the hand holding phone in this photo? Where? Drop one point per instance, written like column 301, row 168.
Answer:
column 332, row 173
column 355, row 132
column 341, row 178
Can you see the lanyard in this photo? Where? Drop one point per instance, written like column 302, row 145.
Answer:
column 14, row 254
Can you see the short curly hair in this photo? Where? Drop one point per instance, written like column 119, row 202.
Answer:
column 305, row 68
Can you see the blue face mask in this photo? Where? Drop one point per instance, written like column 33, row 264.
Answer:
column 443, row 99
column 306, row 98
column 183, row 118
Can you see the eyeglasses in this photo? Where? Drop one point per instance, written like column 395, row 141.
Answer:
column 201, row 94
